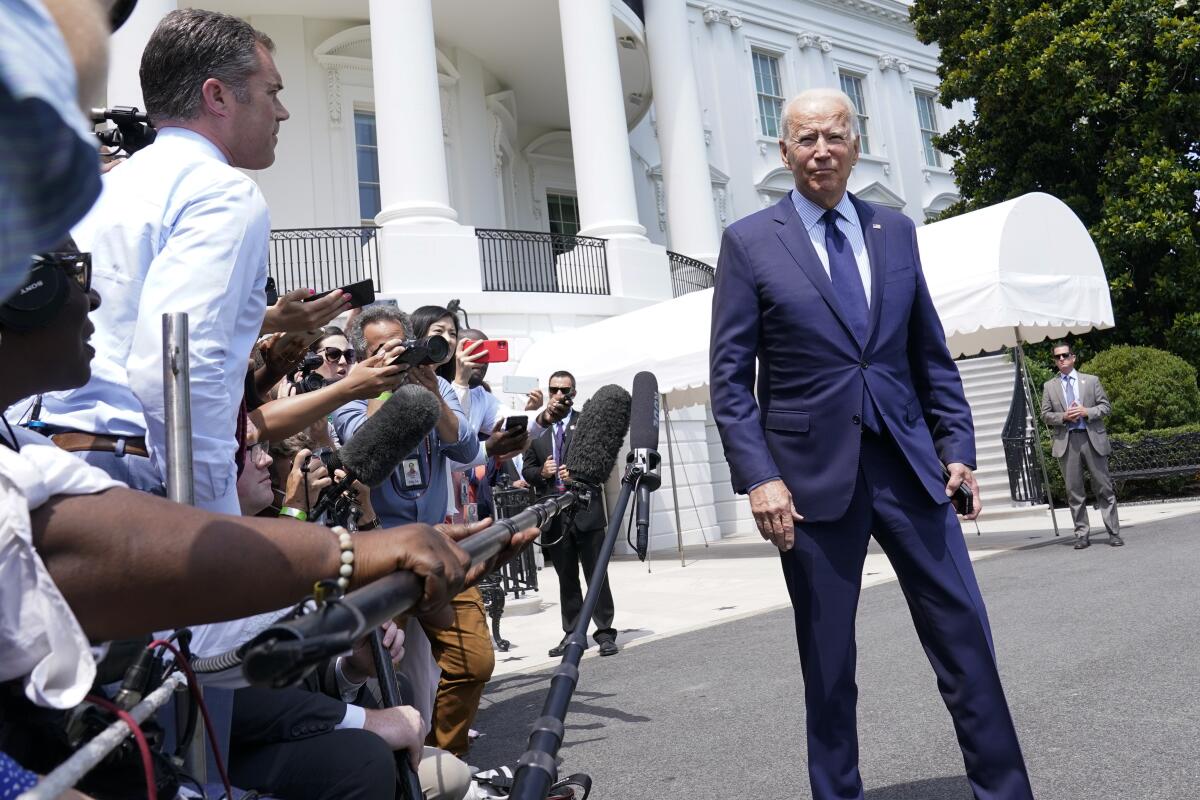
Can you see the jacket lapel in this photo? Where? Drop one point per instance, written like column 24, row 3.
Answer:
column 875, row 254
column 795, row 239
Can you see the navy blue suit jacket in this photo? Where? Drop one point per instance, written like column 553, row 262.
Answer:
column 774, row 305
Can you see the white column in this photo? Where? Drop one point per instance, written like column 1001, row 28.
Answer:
column 690, row 217
column 905, row 156
column 599, row 136
column 813, row 46
column 125, row 52
column 408, row 114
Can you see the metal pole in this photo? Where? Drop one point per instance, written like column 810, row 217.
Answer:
column 1034, row 415
column 674, row 487
column 178, row 408
column 68, row 773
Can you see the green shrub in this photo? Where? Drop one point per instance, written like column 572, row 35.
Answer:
column 1184, row 337
column 1148, row 388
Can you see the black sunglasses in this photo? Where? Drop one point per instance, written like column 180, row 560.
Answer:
column 334, row 355
column 1061, row 356
column 561, row 390
column 77, row 266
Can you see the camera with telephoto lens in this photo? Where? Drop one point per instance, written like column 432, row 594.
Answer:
column 327, row 456
column 310, row 380
column 419, row 352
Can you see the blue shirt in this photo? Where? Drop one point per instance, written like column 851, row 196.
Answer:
column 396, row 505
column 176, row 229
column 1072, row 378
column 848, row 223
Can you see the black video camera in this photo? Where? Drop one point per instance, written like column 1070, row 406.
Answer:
column 310, row 380
column 133, row 132
column 327, row 456
column 419, row 352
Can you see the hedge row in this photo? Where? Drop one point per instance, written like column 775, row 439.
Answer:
column 1133, row 488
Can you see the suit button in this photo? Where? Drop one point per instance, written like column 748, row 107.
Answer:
column 856, row 419
column 865, row 364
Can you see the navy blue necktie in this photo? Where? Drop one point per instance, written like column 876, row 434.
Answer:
column 852, row 297
column 847, row 282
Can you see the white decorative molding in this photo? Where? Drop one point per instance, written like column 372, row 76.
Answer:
column 720, row 201
column 888, row 61
column 808, row 39
column 333, row 95
column 713, row 15
column 894, row 12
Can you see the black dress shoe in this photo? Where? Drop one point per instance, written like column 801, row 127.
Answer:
column 1115, row 540
column 1081, row 542
column 558, row 649
column 608, row 647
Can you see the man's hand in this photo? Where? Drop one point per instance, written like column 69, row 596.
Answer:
column 515, row 545
column 504, row 443
column 774, row 513
column 316, row 476
column 470, row 354
column 441, row 564
column 290, row 314
column 401, row 727
column 360, row 664
column 555, row 411
column 959, row 474
column 564, row 474
column 1076, row 411
column 372, row 376
column 534, row 400
column 550, row 468
column 283, row 355
column 426, row 375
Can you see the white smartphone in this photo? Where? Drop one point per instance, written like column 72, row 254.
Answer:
column 519, row 384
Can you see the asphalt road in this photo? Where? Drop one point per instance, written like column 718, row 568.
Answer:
column 1099, row 651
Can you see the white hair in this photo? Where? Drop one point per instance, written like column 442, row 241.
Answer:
column 809, row 96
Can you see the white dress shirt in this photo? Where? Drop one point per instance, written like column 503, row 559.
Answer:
column 176, row 229
column 848, row 223
column 41, row 642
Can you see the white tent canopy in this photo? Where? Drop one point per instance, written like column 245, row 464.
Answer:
column 1024, row 268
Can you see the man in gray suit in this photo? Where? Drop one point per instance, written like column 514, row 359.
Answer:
column 1074, row 406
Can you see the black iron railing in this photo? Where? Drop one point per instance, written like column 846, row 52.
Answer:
column 534, row 261
column 1156, row 456
column 323, row 258
column 689, row 274
column 1020, row 443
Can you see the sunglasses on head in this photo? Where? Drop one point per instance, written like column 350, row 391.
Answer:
column 77, row 266
column 334, row 354
column 1062, row 356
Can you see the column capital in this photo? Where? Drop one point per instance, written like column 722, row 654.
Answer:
column 807, row 39
column 714, row 14
column 888, row 61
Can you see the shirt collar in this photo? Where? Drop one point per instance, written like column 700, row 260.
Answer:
column 193, row 139
column 1072, row 375
column 811, row 213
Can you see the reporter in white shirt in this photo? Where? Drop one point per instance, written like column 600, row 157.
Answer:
column 179, row 228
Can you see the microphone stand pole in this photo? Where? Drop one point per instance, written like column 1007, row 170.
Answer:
column 537, row 769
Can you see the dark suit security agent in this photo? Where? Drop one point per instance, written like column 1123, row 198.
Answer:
column 858, row 406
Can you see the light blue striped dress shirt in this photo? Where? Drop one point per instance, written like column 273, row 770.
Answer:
column 848, row 223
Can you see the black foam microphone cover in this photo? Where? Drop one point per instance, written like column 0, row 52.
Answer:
column 391, row 433
column 599, row 435
column 643, row 425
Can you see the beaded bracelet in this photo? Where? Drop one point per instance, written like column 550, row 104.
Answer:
column 288, row 511
column 346, row 545
column 370, row 526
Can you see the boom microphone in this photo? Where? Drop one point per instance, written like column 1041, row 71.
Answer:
column 598, row 435
column 377, row 448
column 644, row 458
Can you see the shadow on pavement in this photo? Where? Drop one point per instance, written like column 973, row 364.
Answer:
column 948, row 788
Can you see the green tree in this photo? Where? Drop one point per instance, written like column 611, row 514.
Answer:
column 1096, row 102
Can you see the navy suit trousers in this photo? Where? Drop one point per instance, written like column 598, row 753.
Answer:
column 924, row 543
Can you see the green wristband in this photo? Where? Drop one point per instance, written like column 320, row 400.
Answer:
column 288, row 511
column 385, row 396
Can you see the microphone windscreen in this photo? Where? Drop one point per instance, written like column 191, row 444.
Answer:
column 391, row 433
column 599, row 435
column 643, row 424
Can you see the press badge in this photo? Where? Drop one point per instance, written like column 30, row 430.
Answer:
column 410, row 469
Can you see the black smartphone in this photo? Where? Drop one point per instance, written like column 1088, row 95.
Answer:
column 517, row 423
column 962, row 500
column 272, row 292
column 361, row 293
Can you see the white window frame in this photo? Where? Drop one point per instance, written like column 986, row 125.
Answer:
column 780, row 58
column 927, row 148
column 861, row 106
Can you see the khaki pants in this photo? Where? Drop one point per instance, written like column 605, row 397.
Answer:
column 464, row 652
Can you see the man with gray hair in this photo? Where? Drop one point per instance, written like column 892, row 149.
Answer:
column 859, row 428
column 179, row 228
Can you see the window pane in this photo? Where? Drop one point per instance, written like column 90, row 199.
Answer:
column 368, row 165
column 562, row 211
column 368, row 201
column 364, row 128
